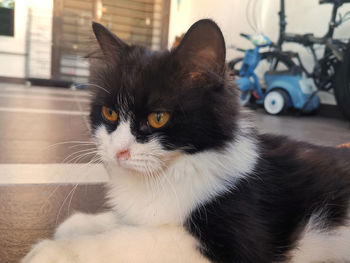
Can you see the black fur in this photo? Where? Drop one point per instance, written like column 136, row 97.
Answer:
column 261, row 218
column 179, row 82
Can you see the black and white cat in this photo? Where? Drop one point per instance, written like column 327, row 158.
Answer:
column 190, row 178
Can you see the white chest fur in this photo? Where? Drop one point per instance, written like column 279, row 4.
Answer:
column 186, row 184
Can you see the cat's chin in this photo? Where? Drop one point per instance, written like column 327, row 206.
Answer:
column 130, row 170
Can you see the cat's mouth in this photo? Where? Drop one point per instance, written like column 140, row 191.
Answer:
column 149, row 166
column 120, row 149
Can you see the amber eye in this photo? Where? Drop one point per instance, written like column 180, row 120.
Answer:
column 158, row 119
column 109, row 114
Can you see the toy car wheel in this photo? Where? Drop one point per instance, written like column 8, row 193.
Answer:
column 276, row 102
column 244, row 98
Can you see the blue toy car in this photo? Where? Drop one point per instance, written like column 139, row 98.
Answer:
column 288, row 89
column 284, row 89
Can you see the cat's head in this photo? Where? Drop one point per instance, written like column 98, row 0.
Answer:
column 151, row 107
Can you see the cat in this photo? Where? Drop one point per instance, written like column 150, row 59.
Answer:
column 191, row 179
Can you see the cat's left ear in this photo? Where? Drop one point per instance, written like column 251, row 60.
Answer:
column 111, row 45
column 202, row 48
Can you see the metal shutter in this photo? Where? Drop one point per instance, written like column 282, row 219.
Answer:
column 142, row 22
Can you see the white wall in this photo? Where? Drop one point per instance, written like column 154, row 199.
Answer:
column 14, row 50
column 39, row 39
column 303, row 16
column 227, row 13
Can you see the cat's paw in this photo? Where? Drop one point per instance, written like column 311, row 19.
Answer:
column 49, row 251
column 85, row 224
column 77, row 224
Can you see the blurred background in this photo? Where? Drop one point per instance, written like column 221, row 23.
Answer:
column 48, row 164
column 47, row 39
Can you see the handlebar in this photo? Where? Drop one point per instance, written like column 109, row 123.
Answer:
column 244, row 35
column 306, row 39
column 338, row 2
column 259, row 40
column 237, row 48
column 241, row 49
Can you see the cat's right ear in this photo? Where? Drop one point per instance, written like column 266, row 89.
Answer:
column 110, row 44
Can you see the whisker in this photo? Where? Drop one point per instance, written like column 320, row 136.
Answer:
column 71, row 198
column 81, row 156
column 94, row 85
column 69, row 142
column 50, row 195
column 77, row 152
column 94, row 159
column 64, row 201
column 81, row 145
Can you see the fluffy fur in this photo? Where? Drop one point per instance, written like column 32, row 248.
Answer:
column 205, row 187
column 185, row 183
column 268, row 215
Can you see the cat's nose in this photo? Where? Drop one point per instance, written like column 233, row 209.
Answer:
column 123, row 154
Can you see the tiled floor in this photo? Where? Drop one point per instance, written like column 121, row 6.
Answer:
column 41, row 179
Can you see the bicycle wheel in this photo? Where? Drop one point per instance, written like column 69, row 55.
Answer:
column 270, row 61
column 342, row 84
column 277, row 60
column 234, row 65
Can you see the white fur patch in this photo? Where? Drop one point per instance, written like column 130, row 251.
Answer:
column 124, row 244
column 86, row 224
column 320, row 245
column 180, row 186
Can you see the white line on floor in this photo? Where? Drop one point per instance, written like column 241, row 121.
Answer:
column 52, row 174
column 42, row 90
column 40, row 97
column 42, row 111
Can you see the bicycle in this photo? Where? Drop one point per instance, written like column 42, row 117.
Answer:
column 331, row 71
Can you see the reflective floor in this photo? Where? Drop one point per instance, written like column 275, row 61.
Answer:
column 45, row 175
column 317, row 129
column 45, row 172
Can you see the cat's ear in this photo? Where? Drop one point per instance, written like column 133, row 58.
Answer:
column 110, row 44
column 202, row 48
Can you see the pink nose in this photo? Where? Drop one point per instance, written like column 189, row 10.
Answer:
column 123, row 154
